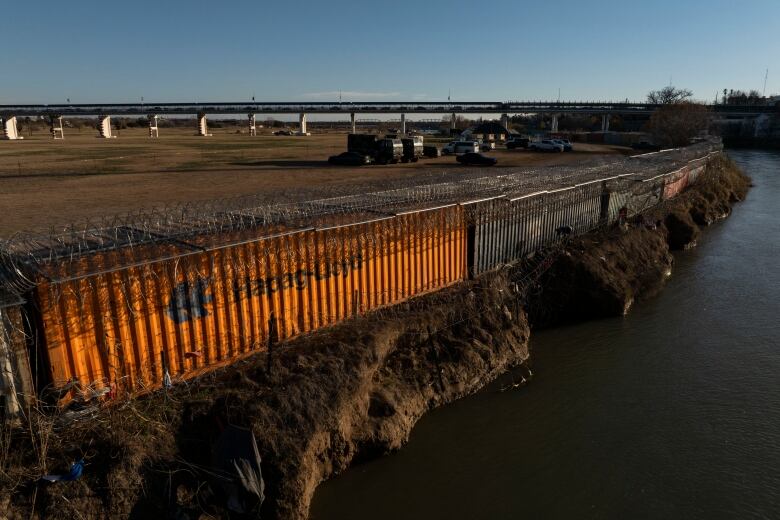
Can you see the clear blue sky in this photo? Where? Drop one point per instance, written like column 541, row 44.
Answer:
column 168, row 50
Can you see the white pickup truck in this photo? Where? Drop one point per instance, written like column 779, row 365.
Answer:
column 545, row 145
column 459, row 147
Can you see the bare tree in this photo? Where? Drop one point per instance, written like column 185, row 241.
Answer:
column 740, row 97
column 676, row 124
column 668, row 95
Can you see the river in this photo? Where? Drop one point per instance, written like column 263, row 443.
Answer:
column 670, row 412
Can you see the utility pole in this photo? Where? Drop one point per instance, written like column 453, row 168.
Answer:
column 763, row 94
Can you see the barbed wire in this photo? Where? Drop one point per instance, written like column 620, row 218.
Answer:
column 205, row 224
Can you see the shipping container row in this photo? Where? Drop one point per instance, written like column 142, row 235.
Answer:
column 132, row 326
column 126, row 328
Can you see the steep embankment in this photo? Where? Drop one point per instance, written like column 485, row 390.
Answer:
column 602, row 274
column 351, row 391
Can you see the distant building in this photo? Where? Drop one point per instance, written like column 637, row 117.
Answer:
column 489, row 131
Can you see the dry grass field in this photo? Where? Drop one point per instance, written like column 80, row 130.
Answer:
column 46, row 184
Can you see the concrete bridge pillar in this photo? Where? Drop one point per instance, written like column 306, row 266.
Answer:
column 403, row 123
column 505, row 121
column 203, row 127
column 153, row 131
column 554, row 125
column 452, row 121
column 252, row 126
column 104, row 127
column 761, row 125
column 302, row 121
column 352, row 121
column 605, row 123
column 10, row 131
column 55, row 127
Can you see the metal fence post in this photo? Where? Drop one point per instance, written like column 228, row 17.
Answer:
column 604, row 213
column 273, row 338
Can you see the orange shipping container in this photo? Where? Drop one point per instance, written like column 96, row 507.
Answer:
column 676, row 183
column 123, row 323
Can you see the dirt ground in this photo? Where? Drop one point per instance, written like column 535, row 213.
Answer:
column 342, row 394
column 47, row 184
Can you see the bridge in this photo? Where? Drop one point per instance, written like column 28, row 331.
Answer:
column 104, row 111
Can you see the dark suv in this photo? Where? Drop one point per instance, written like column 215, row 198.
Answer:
column 517, row 142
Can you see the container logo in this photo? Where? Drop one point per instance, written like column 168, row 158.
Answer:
column 188, row 300
column 294, row 280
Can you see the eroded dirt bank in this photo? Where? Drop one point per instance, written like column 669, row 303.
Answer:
column 601, row 274
column 346, row 393
column 354, row 390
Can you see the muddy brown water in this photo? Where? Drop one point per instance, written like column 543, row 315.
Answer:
column 670, row 412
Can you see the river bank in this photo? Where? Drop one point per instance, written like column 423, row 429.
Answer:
column 350, row 392
column 601, row 274
column 668, row 412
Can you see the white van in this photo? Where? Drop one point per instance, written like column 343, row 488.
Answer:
column 458, row 147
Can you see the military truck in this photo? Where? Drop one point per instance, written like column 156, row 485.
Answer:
column 381, row 150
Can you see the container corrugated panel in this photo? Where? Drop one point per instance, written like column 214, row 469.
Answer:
column 696, row 169
column 676, row 182
column 197, row 311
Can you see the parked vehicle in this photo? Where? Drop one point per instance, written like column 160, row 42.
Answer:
column 413, row 148
column 567, row 147
column 476, row 159
column 431, row 151
column 350, row 159
column 283, row 132
column 486, row 146
column 545, row 145
column 381, row 150
column 458, row 147
column 517, row 141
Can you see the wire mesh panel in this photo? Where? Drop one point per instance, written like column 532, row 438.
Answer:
column 676, row 182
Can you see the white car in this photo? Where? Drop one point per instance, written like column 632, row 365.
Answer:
column 567, row 147
column 545, row 145
column 458, row 147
